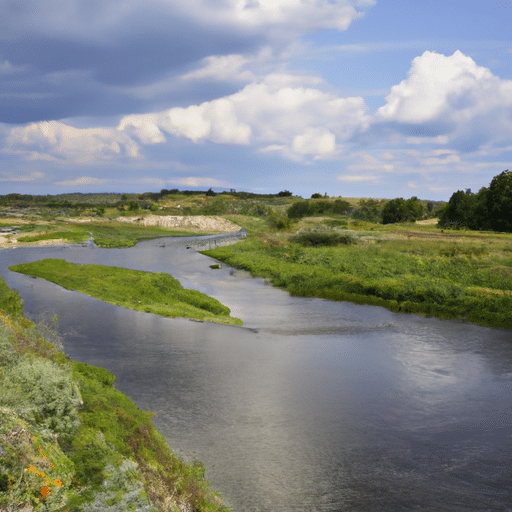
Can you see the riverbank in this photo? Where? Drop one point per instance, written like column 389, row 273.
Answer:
column 405, row 268
column 122, row 231
column 73, row 442
column 157, row 293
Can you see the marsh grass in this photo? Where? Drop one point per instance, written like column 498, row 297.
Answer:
column 467, row 278
column 157, row 293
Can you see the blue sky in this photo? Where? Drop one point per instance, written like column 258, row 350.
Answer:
column 385, row 98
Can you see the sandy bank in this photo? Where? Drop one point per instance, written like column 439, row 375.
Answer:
column 192, row 222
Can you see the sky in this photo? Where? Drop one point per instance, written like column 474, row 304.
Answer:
column 351, row 98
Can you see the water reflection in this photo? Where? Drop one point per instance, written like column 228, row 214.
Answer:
column 323, row 406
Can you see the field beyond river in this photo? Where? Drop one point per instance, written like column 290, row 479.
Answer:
column 405, row 267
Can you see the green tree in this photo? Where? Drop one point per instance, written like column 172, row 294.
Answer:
column 499, row 202
column 459, row 210
column 394, row 211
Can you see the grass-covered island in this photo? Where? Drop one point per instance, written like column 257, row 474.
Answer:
column 152, row 292
column 71, row 442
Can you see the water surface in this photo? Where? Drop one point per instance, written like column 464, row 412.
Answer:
column 312, row 405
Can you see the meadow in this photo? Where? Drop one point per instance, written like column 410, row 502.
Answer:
column 151, row 292
column 406, row 268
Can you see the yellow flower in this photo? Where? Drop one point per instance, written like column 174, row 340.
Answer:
column 58, row 482
column 32, row 469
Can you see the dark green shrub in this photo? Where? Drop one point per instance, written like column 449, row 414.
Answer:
column 299, row 210
column 321, row 238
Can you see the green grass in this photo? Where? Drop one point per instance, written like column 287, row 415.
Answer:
column 157, row 293
column 105, row 234
column 468, row 278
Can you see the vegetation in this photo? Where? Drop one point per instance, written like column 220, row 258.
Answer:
column 489, row 209
column 70, row 442
column 157, row 293
column 403, row 268
column 105, row 234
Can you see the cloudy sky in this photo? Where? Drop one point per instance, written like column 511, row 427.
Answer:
column 374, row 98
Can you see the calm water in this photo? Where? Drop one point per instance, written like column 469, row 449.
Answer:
column 312, row 405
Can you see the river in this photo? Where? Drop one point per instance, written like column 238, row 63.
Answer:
column 311, row 405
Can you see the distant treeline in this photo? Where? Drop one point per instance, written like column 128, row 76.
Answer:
column 489, row 209
column 368, row 209
column 93, row 199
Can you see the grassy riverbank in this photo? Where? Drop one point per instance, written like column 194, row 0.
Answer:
column 405, row 268
column 157, row 293
column 70, row 442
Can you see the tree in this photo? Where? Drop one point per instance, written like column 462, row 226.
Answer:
column 394, row 211
column 210, row 192
column 458, row 212
column 284, row 193
column 499, row 202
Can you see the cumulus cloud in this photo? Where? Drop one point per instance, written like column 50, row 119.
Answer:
column 59, row 141
column 450, row 97
column 277, row 112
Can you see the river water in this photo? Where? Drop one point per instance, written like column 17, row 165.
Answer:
column 312, row 405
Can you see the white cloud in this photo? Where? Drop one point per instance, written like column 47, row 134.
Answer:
column 197, row 181
column 278, row 112
column 453, row 96
column 6, row 68
column 82, row 181
column 316, row 141
column 59, row 141
column 357, row 178
column 33, row 176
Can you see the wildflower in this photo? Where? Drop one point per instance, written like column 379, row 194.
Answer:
column 58, row 482
column 45, row 491
column 32, row 469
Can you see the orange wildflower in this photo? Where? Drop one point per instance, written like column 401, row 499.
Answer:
column 32, row 469
column 45, row 491
column 58, row 482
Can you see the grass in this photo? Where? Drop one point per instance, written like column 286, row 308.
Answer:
column 157, row 293
column 405, row 268
column 106, row 234
column 111, row 459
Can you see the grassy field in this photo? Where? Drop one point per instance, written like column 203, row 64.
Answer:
column 75, row 443
column 157, row 293
column 405, row 268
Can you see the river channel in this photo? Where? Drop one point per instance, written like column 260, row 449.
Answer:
column 311, row 405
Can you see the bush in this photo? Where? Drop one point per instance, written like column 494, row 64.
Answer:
column 44, row 392
column 299, row 210
column 277, row 220
column 321, row 238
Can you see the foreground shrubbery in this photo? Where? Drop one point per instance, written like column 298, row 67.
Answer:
column 70, row 442
column 441, row 278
